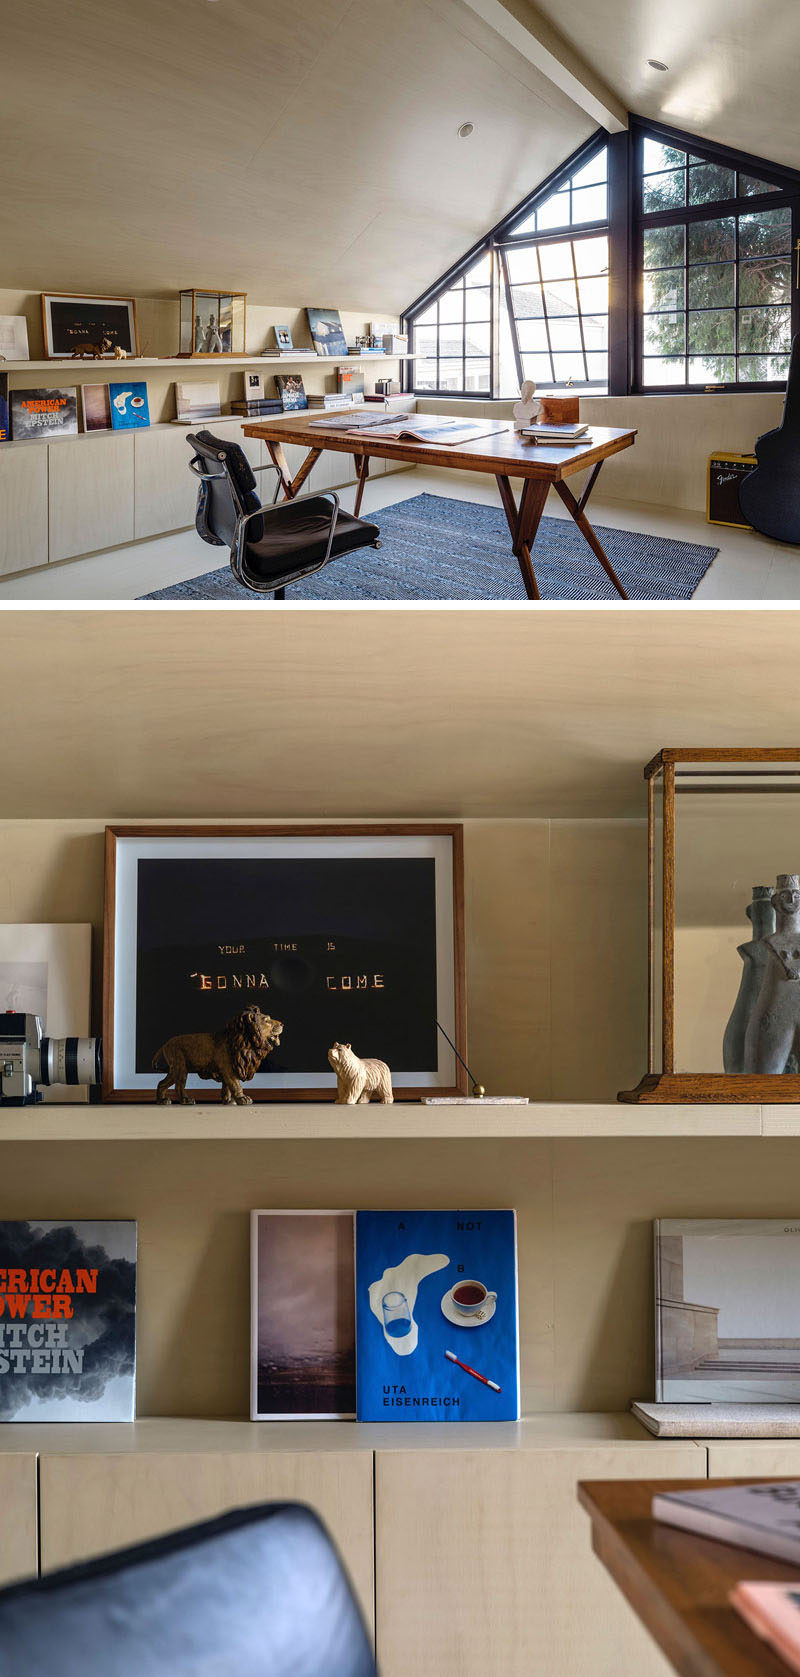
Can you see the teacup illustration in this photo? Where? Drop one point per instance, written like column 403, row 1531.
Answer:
column 471, row 1296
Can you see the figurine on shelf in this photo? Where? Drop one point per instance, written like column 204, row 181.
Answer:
column 359, row 1081
column 230, row 1056
column 213, row 341
column 120, row 354
column 754, row 955
column 89, row 352
column 773, row 1033
column 526, row 409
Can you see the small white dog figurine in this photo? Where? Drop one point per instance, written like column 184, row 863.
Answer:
column 526, row 409
column 359, row 1081
column 120, row 354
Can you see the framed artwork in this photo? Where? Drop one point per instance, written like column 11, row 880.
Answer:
column 327, row 331
column 46, row 969
column 727, row 1310
column 96, row 407
column 303, row 1316
column 344, row 933
column 71, row 324
column 283, row 338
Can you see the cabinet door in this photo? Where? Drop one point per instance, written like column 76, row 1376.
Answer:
column 23, row 506
column 18, row 1523
column 90, row 1504
column 166, row 490
column 91, row 494
column 754, row 1458
column 484, row 1563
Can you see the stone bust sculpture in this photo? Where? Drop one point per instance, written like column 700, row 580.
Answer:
column 774, row 1029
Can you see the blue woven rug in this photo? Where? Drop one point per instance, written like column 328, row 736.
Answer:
column 435, row 548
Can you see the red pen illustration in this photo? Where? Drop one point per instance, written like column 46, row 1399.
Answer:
column 452, row 1358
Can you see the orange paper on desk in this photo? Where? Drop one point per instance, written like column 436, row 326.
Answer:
column 773, row 1612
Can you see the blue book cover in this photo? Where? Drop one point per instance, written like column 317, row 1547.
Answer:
column 436, row 1316
column 129, row 407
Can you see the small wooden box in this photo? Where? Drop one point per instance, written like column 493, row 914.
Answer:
column 559, row 410
column 725, row 473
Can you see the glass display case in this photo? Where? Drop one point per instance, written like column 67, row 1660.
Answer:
column 213, row 323
column 723, row 926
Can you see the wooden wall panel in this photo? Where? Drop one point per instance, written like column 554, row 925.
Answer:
column 18, row 1518
column 23, row 506
column 91, row 493
column 484, row 1563
column 91, row 1504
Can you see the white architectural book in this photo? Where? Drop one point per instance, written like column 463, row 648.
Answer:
column 727, row 1300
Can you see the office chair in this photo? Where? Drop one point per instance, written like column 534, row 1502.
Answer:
column 260, row 1592
column 272, row 546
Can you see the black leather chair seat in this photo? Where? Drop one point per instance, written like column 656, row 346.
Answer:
column 291, row 532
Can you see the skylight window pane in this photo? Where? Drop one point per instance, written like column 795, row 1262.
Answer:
column 537, row 367
column 663, row 370
column 478, row 339
column 566, row 333
column 425, row 340
column 765, row 233
column 554, row 212
column 712, row 285
column 523, row 265
column 451, row 374
column 451, row 306
column 477, row 376
column 595, row 331
column 597, row 368
column 664, row 192
column 556, row 260
column 665, row 289
column 593, row 295
column 750, row 186
column 424, row 375
column 527, row 301
column 560, row 297
column 593, row 172
column 657, row 157
column 769, row 281
column 567, row 367
column 665, row 247
column 533, row 337
column 428, row 317
column 591, row 255
column 710, row 181
column 477, row 303
column 590, row 204
column 713, row 241
column 481, row 271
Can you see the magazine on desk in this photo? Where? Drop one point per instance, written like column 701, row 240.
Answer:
column 409, row 429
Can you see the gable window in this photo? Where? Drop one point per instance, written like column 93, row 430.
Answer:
column 715, row 245
column 649, row 261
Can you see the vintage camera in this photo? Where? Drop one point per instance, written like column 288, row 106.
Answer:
column 30, row 1061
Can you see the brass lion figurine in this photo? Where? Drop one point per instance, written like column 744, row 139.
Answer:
column 358, row 1081
column 230, row 1056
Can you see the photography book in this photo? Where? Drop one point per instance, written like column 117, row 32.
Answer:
column 129, row 406
column 43, row 413
column 765, row 1517
column 727, row 1304
column 417, row 430
column 303, row 1353
column 291, row 391
column 4, row 417
column 351, row 382
column 557, row 432
column 196, row 402
column 773, row 1612
column 67, row 1321
column 96, row 407
column 437, row 1335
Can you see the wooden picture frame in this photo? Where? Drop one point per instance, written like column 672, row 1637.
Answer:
column 152, row 928
column 92, row 323
column 662, row 1083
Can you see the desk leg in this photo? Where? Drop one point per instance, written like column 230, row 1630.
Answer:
column 362, row 473
column 291, row 486
column 575, row 508
column 524, row 524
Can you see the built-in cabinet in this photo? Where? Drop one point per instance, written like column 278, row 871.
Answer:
column 85, row 494
column 18, row 1517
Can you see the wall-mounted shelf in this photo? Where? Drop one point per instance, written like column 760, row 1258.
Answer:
column 309, row 1121
column 203, row 365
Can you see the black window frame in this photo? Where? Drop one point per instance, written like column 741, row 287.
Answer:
column 625, row 227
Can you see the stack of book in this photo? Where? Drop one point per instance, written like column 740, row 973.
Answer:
column 333, row 400
column 256, row 406
column 566, row 436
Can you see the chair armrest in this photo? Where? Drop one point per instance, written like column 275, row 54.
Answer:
column 239, row 535
column 269, row 466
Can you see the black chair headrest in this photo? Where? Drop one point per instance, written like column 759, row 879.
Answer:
column 221, row 450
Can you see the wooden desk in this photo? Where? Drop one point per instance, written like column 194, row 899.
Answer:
column 502, row 456
column 678, row 1583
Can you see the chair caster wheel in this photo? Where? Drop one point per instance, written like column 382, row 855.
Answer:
column 377, row 544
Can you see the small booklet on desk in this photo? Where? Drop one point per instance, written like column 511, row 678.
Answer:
column 761, row 1517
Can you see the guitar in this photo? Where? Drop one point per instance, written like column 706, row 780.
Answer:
column 769, row 497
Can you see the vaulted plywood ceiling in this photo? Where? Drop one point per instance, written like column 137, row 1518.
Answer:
column 301, row 150
column 732, row 64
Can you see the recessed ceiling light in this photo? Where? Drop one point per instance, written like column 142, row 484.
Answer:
column 656, row 64
column 465, row 130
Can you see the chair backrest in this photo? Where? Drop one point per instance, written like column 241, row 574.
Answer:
column 260, row 1592
column 231, row 491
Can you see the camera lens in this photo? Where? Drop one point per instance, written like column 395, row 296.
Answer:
column 71, row 1060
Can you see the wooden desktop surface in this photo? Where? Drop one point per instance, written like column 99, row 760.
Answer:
column 504, row 453
column 678, row 1583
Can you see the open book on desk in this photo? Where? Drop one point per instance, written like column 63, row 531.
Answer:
column 412, row 429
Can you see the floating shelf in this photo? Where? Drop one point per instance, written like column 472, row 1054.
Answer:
column 234, row 1437
column 309, row 1121
column 203, row 364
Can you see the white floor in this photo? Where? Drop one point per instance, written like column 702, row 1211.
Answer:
column 747, row 567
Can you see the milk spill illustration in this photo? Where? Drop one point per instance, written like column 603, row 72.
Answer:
column 400, row 1330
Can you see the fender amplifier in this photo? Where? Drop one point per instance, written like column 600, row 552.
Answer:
column 725, row 473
